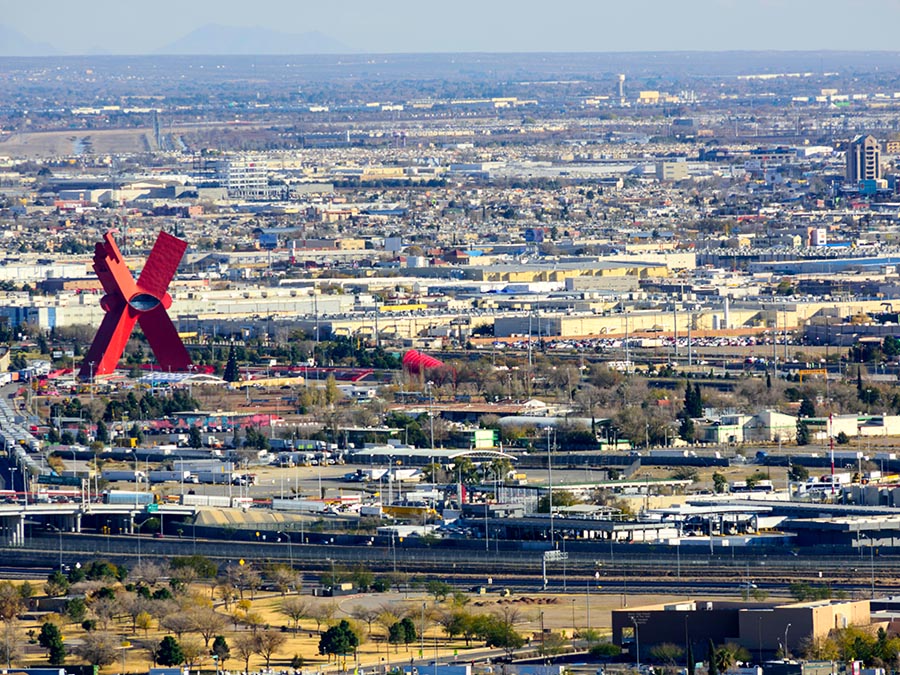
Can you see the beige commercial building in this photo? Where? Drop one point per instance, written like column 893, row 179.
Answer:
column 863, row 159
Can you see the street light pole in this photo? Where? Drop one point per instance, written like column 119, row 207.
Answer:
column 430, row 386
column 637, row 643
column 872, row 564
column 550, row 486
column 786, row 650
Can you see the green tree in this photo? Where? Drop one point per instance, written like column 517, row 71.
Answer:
column 560, row 498
column 26, row 591
column 499, row 631
column 51, row 639
column 666, row 653
column 465, row 471
column 194, row 438
column 729, row 654
column 693, row 401
column 712, row 668
column 438, row 589
column 232, row 374
column 606, row 650
column 720, row 483
column 221, row 650
column 687, row 430
column 339, row 640
column 803, row 591
column 57, row 585
column 798, row 473
column 754, row 478
column 686, row 473
column 102, row 433
column 76, row 609
column 869, row 395
column 203, row 566
column 802, row 432
column 807, row 408
column 169, row 652
column 136, row 433
column 402, row 632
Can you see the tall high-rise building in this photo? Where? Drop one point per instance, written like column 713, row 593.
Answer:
column 863, row 159
column 245, row 178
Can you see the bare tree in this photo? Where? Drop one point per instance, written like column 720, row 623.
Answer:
column 10, row 601
column 106, row 610
column 268, row 642
column 162, row 608
column 253, row 620
column 284, row 579
column 193, row 651
column 367, row 615
column 227, row 591
column 207, row 622
column 9, row 642
column 322, row 613
column 146, row 572
column 244, row 578
column 245, row 646
column 182, row 578
column 98, row 648
column 295, row 609
column 178, row 623
column 134, row 605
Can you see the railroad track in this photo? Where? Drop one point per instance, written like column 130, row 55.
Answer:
column 616, row 572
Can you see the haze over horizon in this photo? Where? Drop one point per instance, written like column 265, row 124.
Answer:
column 403, row 26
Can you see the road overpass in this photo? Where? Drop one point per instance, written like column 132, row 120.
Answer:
column 67, row 516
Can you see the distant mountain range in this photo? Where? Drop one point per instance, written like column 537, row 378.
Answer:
column 212, row 39
column 231, row 40
column 13, row 43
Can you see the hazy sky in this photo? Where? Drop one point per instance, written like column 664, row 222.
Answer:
column 473, row 25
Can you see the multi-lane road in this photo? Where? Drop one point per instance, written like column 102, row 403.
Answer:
column 619, row 571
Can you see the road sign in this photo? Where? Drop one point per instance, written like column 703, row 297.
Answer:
column 552, row 556
column 152, row 508
column 59, row 480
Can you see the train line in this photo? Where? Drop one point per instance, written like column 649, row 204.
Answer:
column 662, row 572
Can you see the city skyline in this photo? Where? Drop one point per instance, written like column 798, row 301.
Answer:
column 105, row 27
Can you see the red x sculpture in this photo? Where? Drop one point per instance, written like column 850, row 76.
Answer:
column 144, row 302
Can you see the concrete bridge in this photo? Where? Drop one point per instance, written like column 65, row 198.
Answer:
column 67, row 517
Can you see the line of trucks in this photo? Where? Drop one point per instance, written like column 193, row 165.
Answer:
column 179, row 476
column 126, row 497
column 373, row 475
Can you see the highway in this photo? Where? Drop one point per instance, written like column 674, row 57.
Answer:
column 622, row 572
